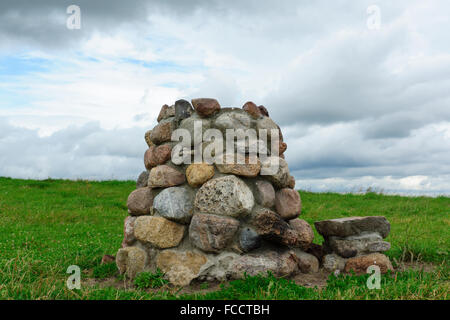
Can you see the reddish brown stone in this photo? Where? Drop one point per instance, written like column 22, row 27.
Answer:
column 263, row 111
column 288, row 203
column 156, row 155
column 140, row 201
column 283, row 147
column 166, row 112
column 361, row 263
column 107, row 258
column 291, row 181
column 162, row 132
column 164, row 176
column 270, row 226
column 306, row 233
column 252, row 109
column 205, row 107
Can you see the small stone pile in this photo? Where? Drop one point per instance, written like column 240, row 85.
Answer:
column 213, row 221
column 355, row 243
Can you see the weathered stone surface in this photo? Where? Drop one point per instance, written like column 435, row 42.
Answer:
column 196, row 127
column 183, row 110
column 252, row 109
column 218, row 266
column 282, row 147
column 307, row 263
column 166, row 112
column 291, row 182
column 361, row 263
column 128, row 231
column 249, row 167
column 276, row 170
column 272, row 227
column 163, row 131
column 140, row 201
column 279, row 265
column 267, row 124
column 142, row 180
column 198, row 173
column 350, row 226
column 181, row 267
column 175, row 204
column 164, row 176
column 263, row 111
column 358, row 245
column 158, row 231
column 264, row 193
column 212, row 233
column 131, row 261
column 156, row 155
column 228, row 196
column 147, row 138
column 288, row 203
column 317, row 251
column 249, row 240
column 333, row 262
column 305, row 231
column 233, row 120
column 205, row 107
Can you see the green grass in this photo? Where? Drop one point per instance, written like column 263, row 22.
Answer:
column 46, row 226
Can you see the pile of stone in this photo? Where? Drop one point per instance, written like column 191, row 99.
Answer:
column 355, row 243
column 214, row 221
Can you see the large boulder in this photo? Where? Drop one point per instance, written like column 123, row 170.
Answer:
column 264, row 193
column 288, row 203
column 198, row 173
column 164, row 176
column 228, row 196
column 140, row 201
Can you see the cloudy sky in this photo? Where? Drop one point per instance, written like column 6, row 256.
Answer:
column 360, row 88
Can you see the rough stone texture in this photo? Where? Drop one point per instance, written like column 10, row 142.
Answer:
column 280, row 265
column 361, row 263
column 142, row 180
column 175, row 204
column 249, row 240
column 252, row 109
column 198, row 173
column 158, row 231
column 181, row 267
column 246, row 169
column 212, row 233
column 268, row 124
column 190, row 124
column 164, row 176
column 233, row 120
column 128, row 231
column 333, row 262
column 156, row 155
column 291, row 182
column 358, row 245
column 316, row 250
column 183, row 110
column 166, row 112
column 288, row 203
column 140, row 201
column 163, row 131
column 350, row 226
column 147, row 138
column 205, row 107
column 272, row 227
column 282, row 147
column 218, row 267
column 276, row 170
column 131, row 261
column 305, row 231
column 228, row 196
column 307, row 263
column 264, row 193
column 263, row 111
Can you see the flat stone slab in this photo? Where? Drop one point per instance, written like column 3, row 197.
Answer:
column 351, row 226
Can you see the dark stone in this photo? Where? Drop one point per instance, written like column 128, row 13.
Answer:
column 249, row 240
column 263, row 111
column 183, row 110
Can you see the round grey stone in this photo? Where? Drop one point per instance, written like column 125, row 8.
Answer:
column 175, row 204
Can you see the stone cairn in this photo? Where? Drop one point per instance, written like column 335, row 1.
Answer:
column 221, row 221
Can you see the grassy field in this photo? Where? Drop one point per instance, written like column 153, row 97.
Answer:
column 46, row 226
